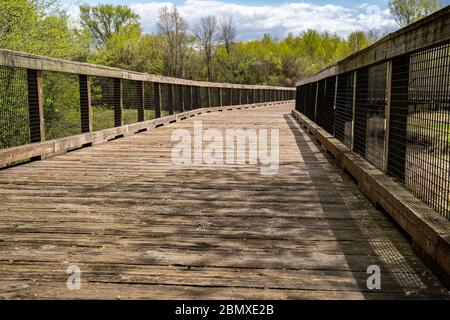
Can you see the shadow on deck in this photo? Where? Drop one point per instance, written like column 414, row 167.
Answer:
column 139, row 227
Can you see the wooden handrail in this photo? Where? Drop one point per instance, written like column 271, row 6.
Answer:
column 24, row 60
column 427, row 32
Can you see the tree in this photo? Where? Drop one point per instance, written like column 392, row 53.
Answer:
column 173, row 28
column 356, row 41
column 27, row 26
column 36, row 26
column 103, row 22
column 408, row 11
column 227, row 33
column 113, row 30
column 148, row 54
column 205, row 32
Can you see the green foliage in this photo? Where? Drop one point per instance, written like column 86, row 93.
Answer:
column 25, row 26
column 147, row 54
column 408, row 11
column 61, row 105
column 111, row 35
column 114, row 32
column 104, row 22
column 13, row 108
column 273, row 62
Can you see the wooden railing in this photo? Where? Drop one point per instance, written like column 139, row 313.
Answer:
column 390, row 103
column 102, row 103
column 387, row 107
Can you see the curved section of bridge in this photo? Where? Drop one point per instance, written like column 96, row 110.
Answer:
column 138, row 226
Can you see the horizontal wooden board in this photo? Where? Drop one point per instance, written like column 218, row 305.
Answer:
column 140, row 227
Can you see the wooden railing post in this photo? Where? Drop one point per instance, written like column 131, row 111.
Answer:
column 157, row 99
column 187, row 93
column 191, row 98
column 182, row 98
column 118, row 102
column 85, row 103
column 141, row 100
column 354, row 108
column 334, row 103
column 387, row 113
column 197, row 98
column 220, row 97
column 35, row 105
column 398, row 117
column 209, row 97
column 170, row 98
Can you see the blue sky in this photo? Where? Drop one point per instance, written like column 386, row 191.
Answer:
column 254, row 18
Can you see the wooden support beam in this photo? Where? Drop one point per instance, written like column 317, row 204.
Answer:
column 182, row 104
column 35, row 105
column 209, row 98
column 398, row 124
column 118, row 102
column 85, row 103
column 170, row 98
column 157, row 99
column 141, row 100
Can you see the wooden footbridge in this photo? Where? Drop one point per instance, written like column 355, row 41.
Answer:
column 105, row 212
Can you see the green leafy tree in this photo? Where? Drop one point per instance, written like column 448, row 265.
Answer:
column 173, row 28
column 408, row 11
column 39, row 27
column 114, row 31
column 27, row 26
column 148, row 55
column 104, row 22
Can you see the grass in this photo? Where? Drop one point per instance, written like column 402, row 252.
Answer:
column 430, row 127
column 103, row 117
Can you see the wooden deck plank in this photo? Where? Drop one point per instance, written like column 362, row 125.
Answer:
column 140, row 227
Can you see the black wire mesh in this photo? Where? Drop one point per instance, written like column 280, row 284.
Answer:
column 226, row 96
column 170, row 98
column 187, row 96
column 235, row 96
column 298, row 99
column 177, row 98
column 204, row 99
column 157, row 93
column 311, row 100
column 132, row 100
column 328, row 104
column 165, row 99
column 344, row 108
column 301, row 101
column 14, row 115
column 256, row 96
column 149, row 110
column 102, row 95
column 419, row 125
column 251, row 98
column 61, row 97
column 320, row 117
column 215, row 97
column 370, row 103
column 196, row 97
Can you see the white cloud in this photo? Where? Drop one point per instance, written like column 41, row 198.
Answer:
column 280, row 19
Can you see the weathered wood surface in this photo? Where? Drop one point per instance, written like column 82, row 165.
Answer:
column 140, row 227
column 25, row 60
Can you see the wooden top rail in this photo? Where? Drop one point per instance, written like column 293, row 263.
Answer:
column 427, row 32
column 30, row 61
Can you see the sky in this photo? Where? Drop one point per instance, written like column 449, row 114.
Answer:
column 254, row 18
